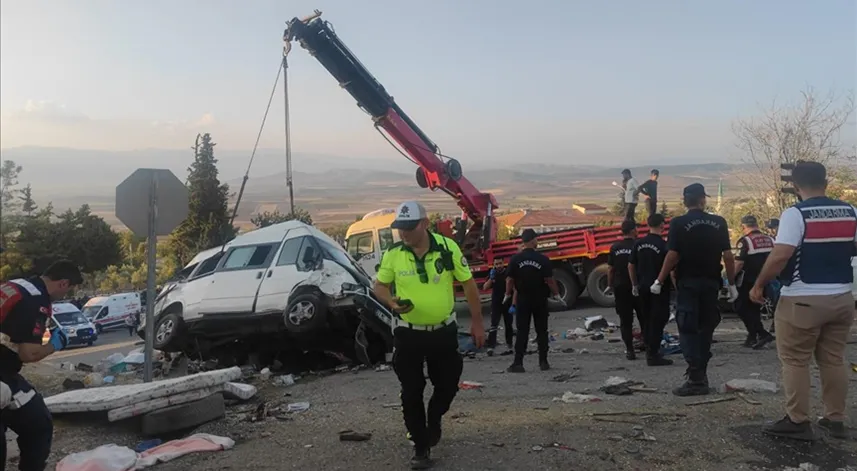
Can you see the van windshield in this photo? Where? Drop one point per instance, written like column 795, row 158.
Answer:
column 70, row 318
column 91, row 311
column 338, row 255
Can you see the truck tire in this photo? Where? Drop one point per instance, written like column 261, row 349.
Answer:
column 169, row 333
column 183, row 416
column 305, row 314
column 596, row 283
column 568, row 286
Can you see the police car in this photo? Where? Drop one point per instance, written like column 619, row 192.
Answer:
column 78, row 329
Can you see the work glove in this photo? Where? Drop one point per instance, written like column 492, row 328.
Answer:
column 59, row 339
column 492, row 274
column 733, row 293
column 507, row 298
column 512, row 309
column 656, row 287
column 635, row 290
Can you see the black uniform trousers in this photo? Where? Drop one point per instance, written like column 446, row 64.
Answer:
column 656, row 310
column 626, row 305
column 500, row 310
column 33, row 424
column 630, row 209
column 652, row 206
column 535, row 308
column 697, row 316
column 750, row 312
column 438, row 350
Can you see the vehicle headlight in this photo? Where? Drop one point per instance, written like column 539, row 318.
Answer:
column 69, row 330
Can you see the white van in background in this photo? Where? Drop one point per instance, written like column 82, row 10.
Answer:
column 110, row 312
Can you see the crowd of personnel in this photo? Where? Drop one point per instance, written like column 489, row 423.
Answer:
column 810, row 258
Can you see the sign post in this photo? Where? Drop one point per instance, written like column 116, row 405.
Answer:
column 137, row 206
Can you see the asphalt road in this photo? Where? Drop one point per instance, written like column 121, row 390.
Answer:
column 108, row 342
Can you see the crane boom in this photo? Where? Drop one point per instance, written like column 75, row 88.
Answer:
column 436, row 171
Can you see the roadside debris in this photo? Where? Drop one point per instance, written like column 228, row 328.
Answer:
column 563, row 377
column 71, row 384
column 575, row 398
column 595, row 322
column 747, row 399
column 284, row 380
column 711, row 401
column 749, row 385
column 298, row 407
column 469, row 385
column 352, row 436
column 619, row 386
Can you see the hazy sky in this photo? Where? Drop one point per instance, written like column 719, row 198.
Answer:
column 582, row 81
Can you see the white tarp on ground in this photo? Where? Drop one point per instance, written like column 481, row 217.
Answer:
column 113, row 397
column 144, row 407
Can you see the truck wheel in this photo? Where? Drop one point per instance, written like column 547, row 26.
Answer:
column 569, row 288
column 305, row 313
column 169, row 330
column 596, row 283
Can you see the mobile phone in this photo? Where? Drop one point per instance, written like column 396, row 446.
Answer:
column 405, row 303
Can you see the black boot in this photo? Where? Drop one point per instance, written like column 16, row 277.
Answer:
column 696, row 384
column 517, row 366
column 421, row 459
column 543, row 362
column 750, row 341
column 630, row 355
column 658, row 361
column 765, row 339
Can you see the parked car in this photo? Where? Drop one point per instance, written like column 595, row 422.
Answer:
column 288, row 285
column 78, row 329
column 110, row 312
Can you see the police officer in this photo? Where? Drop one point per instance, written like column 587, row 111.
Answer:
column 813, row 251
column 647, row 258
column 697, row 241
column 25, row 308
column 531, row 274
column 753, row 250
column 624, row 293
column 423, row 267
column 500, row 309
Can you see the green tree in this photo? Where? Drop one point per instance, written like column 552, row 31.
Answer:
column 28, row 205
column 268, row 218
column 337, row 232
column 505, row 232
column 207, row 224
column 9, row 173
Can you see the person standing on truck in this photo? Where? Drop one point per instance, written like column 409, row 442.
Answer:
column 531, row 275
column 25, row 309
column 649, row 189
column 697, row 242
column 647, row 258
column 632, row 194
column 813, row 251
column 753, row 249
column 625, row 294
column 500, row 309
column 423, row 268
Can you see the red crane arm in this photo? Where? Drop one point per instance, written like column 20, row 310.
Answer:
column 436, row 171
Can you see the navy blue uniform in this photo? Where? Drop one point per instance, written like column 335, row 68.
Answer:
column 625, row 302
column 529, row 270
column 499, row 309
column 25, row 308
column 648, row 256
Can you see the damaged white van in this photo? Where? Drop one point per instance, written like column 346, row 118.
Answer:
column 285, row 286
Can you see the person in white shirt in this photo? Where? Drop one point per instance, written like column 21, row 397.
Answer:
column 812, row 256
column 632, row 194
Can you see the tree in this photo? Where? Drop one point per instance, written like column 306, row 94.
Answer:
column 505, row 232
column 8, row 181
column 268, row 218
column 28, row 205
column 807, row 131
column 337, row 232
column 208, row 222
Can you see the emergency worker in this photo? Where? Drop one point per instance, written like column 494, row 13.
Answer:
column 624, row 292
column 644, row 265
column 697, row 241
column 753, row 249
column 649, row 190
column 25, row 308
column 813, row 251
column 632, row 194
column 531, row 274
column 500, row 309
column 423, row 267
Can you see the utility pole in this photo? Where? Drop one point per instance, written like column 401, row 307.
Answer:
column 289, row 182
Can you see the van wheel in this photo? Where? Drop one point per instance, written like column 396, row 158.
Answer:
column 169, row 332
column 568, row 287
column 305, row 313
column 596, row 283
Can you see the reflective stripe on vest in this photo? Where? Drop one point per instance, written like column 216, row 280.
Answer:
column 758, row 243
column 824, row 254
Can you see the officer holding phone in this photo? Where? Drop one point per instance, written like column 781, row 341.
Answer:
column 25, row 308
column 423, row 268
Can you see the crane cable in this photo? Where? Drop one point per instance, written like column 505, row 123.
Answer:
column 280, row 67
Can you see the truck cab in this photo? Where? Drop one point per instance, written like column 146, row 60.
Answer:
column 367, row 239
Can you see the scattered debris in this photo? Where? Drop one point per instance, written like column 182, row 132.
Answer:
column 804, row 467
column 120, row 457
column 391, row 405
column 284, row 380
column 747, row 399
column 383, row 367
column 618, row 386
column 645, row 437
column 598, row 336
column 575, row 398
column 351, row 436
column 620, row 421
column 567, row 350
column 562, row 378
column 750, row 385
column 631, row 449
column 83, row 367
column 498, row 445
column 265, row 374
column 595, row 322
column 575, row 333
column 537, row 448
column 583, row 351
column 93, row 380
column 634, row 413
column 469, row 385
column 71, row 384
column 298, row 406
column 711, row 401
column 615, row 438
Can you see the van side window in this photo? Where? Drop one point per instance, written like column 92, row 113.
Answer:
column 386, row 239
column 104, row 311
column 308, row 245
column 291, row 249
column 242, row 258
column 359, row 245
column 208, row 265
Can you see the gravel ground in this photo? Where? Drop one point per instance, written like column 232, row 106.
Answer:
column 513, row 422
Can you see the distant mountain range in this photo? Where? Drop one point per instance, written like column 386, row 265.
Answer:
column 339, row 188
